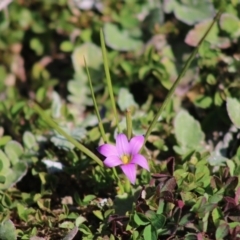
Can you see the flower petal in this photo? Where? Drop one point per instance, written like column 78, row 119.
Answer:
column 135, row 144
column 108, row 150
column 140, row 160
column 112, row 161
column 122, row 144
column 130, row 171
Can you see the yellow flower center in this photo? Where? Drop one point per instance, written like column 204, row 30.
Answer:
column 125, row 159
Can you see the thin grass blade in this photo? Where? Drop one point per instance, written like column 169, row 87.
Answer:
column 186, row 66
column 108, row 77
column 101, row 128
column 54, row 125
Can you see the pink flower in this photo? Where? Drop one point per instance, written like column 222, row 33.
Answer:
column 125, row 154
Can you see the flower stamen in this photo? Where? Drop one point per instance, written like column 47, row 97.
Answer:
column 125, row 159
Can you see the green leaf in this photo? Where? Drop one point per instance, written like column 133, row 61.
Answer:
column 80, row 220
column 22, row 213
column 7, row 230
column 203, row 101
column 88, row 198
column 56, row 105
column 125, row 99
column 13, row 150
column 231, row 167
column 37, row 46
column 14, row 175
column 29, row 140
column 66, row 46
column 229, row 23
column 4, row 140
column 98, row 214
column 189, row 11
column 122, row 39
column 222, row 231
column 66, row 224
column 140, row 219
column 158, row 221
column 92, row 54
column 188, row 132
column 194, row 35
column 85, row 230
column 2, row 178
column 71, row 234
column 233, row 109
column 5, row 163
column 149, row 232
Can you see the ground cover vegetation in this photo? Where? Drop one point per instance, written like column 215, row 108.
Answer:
column 119, row 119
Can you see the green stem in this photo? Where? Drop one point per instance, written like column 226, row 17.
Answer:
column 52, row 124
column 129, row 124
column 171, row 91
column 108, row 77
column 95, row 105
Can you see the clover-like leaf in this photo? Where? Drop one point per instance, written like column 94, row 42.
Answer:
column 230, row 24
column 125, row 99
column 194, row 35
column 233, row 109
column 188, row 11
column 13, row 150
column 14, row 174
column 122, row 39
column 7, row 230
column 29, row 140
column 188, row 132
column 91, row 52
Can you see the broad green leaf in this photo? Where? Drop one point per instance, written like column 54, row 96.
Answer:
column 13, row 150
column 14, row 175
column 194, row 35
column 85, row 230
column 29, row 140
column 71, row 234
column 216, row 160
column 149, row 232
column 189, row 11
column 7, row 230
column 158, row 221
column 66, row 224
column 203, row 101
column 2, row 179
column 88, row 198
column 140, row 219
column 80, row 220
column 93, row 55
column 188, row 132
column 216, row 215
column 222, row 231
column 66, row 46
column 4, row 140
column 125, row 99
column 230, row 24
column 122, row 39
column 5, row 163
column 98, row 214
column 233, row 109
